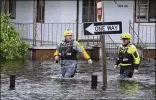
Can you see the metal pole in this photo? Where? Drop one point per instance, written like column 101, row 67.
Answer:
column 133, row 33
column 129, row 26
column 104, row 69
column 41, row 19
column 77, row 20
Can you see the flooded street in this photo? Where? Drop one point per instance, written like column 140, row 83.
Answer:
column 42, row 81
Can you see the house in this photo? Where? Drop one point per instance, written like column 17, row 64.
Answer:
column 53, row 17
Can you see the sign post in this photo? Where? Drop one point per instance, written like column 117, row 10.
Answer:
column 100, row 18
column 102, row 28
column 104, row 67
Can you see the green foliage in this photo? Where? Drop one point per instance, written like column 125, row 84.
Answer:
column 11, row 46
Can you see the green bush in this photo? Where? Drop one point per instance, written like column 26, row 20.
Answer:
column 11, row 46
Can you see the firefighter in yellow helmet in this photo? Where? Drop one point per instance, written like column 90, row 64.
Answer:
column 66, row 53
column 128, row 57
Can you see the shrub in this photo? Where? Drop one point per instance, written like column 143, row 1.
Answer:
column 11, row 46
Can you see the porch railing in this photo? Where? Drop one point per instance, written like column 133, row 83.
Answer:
column 142, row 42
column 52, row 34
column 142, row 33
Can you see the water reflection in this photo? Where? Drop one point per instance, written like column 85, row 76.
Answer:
column 129, row 87
column 12, row 67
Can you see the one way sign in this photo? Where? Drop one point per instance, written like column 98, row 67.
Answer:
column 102, row 28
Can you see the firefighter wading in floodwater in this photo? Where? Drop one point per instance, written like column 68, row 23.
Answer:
column 128, row 57
column 67, row 51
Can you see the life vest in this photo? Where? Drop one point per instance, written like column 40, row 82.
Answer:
column 125, row 56
column 66, row 51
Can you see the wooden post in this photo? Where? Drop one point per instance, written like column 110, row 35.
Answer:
column 88, row 18
column 41, row 8
column 102, row 37
column 77, row 20
column 34, row 23
column 104, row 68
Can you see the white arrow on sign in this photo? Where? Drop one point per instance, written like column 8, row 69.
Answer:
column 102, row 28
column 91, row 29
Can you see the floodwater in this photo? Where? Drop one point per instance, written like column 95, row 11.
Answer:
column 42, row 81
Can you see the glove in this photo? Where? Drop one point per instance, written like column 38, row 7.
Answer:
column 135, row 71
column 115, row 68
column 90, row 61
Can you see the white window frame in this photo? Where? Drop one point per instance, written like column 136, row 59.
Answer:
column 152, row 19
column 146, row 14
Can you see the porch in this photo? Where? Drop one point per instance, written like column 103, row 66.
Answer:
column 42, row 36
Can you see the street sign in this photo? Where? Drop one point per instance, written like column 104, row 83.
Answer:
column 100, row 11
column 96, row 28
column 102, row 28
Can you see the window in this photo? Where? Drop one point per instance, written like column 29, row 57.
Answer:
column 12, row 8
column 152, row 10
column 40, row 10
column 145, row 10
column 89, row 11
column 1, row 7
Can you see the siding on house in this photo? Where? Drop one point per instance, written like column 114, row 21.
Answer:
column 62, row 12
column 114, row 13
column 24, row 12
column 65, row 12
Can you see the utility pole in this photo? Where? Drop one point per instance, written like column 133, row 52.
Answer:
column 100, row 18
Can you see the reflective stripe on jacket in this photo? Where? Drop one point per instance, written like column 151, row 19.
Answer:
column 128, row 55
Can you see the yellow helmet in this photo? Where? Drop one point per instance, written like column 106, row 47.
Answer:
column 68, row 32
column 125, row 36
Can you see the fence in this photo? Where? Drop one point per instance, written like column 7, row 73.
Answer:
column 52, row 34
column 143, row 37
column 142, row 34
